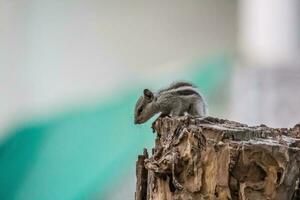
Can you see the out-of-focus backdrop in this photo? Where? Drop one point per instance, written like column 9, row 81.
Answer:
column 71, row 71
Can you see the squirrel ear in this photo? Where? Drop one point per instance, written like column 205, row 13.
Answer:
column 148, row 94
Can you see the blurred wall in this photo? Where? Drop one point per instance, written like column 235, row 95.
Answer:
column 269, row 32
column 266, row 81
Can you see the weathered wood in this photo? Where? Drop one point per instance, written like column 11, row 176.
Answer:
column 141, row 177
column 212, row 158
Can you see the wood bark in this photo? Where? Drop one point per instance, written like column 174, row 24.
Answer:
column 216, row 159
column 141, row 177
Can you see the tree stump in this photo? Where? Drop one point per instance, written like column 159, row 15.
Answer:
column 216, row 159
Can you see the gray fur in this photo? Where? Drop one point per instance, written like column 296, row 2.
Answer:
column 178, row 99
column 175, row 86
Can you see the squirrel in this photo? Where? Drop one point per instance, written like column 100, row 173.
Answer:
column 178, row 99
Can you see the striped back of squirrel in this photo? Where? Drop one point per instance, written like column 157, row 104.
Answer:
column 181, row 89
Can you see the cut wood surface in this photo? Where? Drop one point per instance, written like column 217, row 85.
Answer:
column 212, row 158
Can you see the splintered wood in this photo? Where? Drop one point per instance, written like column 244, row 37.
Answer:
column 216, row 159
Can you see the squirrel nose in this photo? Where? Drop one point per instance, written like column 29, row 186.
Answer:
column 137, row 121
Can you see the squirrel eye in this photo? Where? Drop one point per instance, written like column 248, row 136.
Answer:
column 140, row 110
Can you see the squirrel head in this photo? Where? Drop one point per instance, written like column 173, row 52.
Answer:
column 145, row 107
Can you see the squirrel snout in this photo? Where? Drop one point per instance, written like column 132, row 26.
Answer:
column 136, row 121
column 139, row 120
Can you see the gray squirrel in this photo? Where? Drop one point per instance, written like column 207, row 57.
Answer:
column 178, row 99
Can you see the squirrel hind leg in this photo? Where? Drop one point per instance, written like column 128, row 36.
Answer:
column 196, row 110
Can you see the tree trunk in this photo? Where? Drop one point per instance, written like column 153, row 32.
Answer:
column 212, row 158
